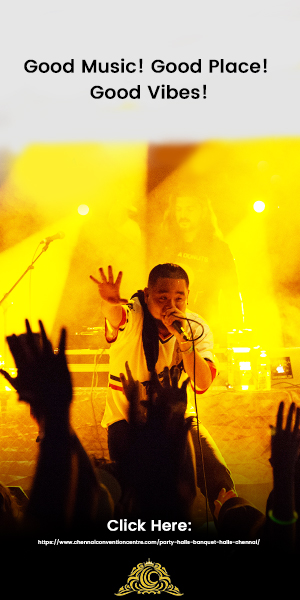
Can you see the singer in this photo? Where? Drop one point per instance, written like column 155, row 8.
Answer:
column 152, row 332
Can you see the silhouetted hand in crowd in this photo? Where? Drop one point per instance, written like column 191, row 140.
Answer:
column 285, row 442
column 10, row 512
column 284, row 455
column 65, row 490
column 43, row 378
column 159, row 465
column 132, row 391
column 167, row 402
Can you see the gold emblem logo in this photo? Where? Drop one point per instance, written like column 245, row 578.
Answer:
column 148, row 578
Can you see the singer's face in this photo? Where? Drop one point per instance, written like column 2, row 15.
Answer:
column 166, row 294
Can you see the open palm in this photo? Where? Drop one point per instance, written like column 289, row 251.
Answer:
column 109, row 289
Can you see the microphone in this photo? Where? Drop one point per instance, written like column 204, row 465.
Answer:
column 177, row 325
column 58, row 236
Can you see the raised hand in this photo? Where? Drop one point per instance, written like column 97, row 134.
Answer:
column 109, row 289
column 43, row 378
column 159, row 463
column 285, row 442
column 131, row 389
column 167, row 400
column 176, row 395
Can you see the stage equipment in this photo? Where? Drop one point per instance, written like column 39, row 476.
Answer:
column 252, row 367
column 90, row 338
column 240, row 360
column 88, row 358
column 248, row 365
column 285, row 367
column 88, row 368
column 263, row 372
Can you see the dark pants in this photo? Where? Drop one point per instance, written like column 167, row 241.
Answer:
column 212, row 471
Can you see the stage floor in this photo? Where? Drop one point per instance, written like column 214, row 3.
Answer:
column 238, row 422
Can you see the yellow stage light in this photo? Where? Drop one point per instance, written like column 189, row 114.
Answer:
column 245, row 365
column 83, row 209
column 241, row 350
column 259, row 206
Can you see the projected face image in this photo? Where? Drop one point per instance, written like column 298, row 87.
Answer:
column 188, row 212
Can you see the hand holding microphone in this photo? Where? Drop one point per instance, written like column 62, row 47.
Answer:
column 177, row 325
column 171, row 322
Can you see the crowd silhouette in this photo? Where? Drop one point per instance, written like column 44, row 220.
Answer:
column 156, row 475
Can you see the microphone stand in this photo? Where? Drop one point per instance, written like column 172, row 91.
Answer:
column 26, row 271
column 18, row 281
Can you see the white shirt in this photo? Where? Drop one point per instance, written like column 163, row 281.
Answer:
column 128, row 346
